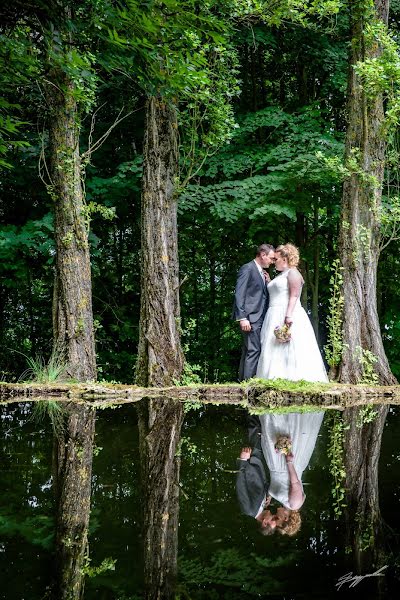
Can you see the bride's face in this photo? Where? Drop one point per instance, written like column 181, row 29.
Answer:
column 281, row 263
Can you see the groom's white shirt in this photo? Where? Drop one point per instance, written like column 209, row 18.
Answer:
column 260, row 270
column 261, row 507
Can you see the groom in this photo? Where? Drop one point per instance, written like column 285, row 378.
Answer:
column 250, row 306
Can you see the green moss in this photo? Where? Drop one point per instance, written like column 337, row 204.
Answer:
column 284, row 385
column 281, row 410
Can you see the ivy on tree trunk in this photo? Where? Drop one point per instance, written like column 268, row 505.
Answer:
column 72, row 302
column 362, row 192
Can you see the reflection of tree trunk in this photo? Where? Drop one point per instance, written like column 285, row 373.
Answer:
column 364, row 523
column 160, row 358
column 73, row 453
column 160, row 424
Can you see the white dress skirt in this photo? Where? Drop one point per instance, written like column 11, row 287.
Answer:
column 298, row 359
column 303, row 429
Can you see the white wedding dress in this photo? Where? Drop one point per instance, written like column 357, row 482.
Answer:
column 303, row 430
column 298, row 359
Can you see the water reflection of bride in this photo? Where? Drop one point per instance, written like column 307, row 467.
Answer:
column 286, row 470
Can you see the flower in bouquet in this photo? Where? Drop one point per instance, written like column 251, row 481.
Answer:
column 283, row 334
column 283, row 445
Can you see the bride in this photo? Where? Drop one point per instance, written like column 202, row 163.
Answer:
column 296, row 359
column 299, row 358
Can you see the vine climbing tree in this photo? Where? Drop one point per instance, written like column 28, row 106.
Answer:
column 362, row 194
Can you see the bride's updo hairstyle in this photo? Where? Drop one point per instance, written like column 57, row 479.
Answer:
column 292, row 525
column 289, row 252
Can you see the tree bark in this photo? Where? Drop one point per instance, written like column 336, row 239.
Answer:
column 316, row 269
column 73, row 455
column 364, row 525
column 160, row 422
column 160, row 357
column 359, row 225
column 72, row 302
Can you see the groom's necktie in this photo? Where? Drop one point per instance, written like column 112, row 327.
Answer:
column 266, row 277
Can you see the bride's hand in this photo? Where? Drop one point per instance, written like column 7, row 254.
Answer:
column 289, row 457
column 288, row 321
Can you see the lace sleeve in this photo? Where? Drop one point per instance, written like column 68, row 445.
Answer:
column 295, row 282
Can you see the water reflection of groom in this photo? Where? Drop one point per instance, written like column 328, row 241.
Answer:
column 251, row 481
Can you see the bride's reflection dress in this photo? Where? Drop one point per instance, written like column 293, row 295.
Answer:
column 303, row 430
column 298, row 359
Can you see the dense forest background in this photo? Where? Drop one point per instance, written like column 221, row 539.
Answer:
column 261, row 160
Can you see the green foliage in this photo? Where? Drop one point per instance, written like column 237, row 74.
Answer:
column 52, row 410
column 334, row 346
column 365, row 534
column 366, row 414
column 35, row 237
column 108, row 564
column 336, row 461
column 380, row 74
column 37, row 530
column 389, row 219
column 186, row 447
column 228, row 568
column 40, row 371
column 257, row 175
column 10, row 127
column 367, row 360
column 190, row 375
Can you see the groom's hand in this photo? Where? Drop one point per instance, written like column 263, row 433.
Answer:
column 245, row 453
column 245, row 325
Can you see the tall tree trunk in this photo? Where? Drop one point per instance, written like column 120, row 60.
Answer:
column 73, row 455
column 359, row 226
column 364, row 525
column 160, row 423
column 301, row 242
column 72, row 303
column 316, row 269
column 160, row 357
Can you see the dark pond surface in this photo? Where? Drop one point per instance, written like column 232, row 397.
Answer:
column 221, row 553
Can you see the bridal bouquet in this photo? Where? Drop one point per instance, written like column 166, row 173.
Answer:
column 283, row 334
column 283, row 445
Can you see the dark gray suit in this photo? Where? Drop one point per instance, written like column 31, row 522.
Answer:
column 251, row 483
column 251, row 302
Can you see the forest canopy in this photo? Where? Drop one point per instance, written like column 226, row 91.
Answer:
column 254, row 97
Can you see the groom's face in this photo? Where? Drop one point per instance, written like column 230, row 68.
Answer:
column 267, row 259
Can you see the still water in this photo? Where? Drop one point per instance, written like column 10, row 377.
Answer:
column 220, row 551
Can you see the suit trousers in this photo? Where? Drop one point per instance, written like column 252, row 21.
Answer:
column 250, row 351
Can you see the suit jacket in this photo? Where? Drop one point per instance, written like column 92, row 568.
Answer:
column 251, row 294
column 251, row 483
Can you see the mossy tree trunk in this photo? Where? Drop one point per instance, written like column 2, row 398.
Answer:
column 160, row 422
column 72, row 308
column 362, row 192
column 160, row 358
column 72, row 302
column 73, row 455
column 364, row 525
